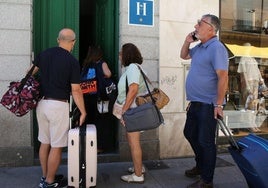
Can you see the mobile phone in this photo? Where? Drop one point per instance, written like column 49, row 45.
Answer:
column 194, row 37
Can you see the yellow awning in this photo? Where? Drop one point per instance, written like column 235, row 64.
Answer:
column 249, row 51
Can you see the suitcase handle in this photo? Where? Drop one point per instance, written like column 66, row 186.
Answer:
column 227, row 132
column 82, row 156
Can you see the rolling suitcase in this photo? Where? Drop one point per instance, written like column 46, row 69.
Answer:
column 251, row 156
column 82, row 157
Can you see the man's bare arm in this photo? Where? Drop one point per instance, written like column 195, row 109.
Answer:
column 79, row 101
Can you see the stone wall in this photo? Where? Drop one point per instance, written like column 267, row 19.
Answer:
column 146, row 38
column 16, row 146
column 177, row 19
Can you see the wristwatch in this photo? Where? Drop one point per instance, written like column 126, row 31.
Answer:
column 218, row 106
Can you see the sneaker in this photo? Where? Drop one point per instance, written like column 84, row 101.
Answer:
column 42, row 181
column 58, row 177
column 192, row 172
column 131, row 169
column 133, row 178
column 55, row 184
column 200, row 184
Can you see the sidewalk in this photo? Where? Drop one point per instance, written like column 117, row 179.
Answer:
column 168, row 173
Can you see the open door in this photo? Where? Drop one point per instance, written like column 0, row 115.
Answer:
column 95, row 22
column 99, row 26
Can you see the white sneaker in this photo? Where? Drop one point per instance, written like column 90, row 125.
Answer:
column 131, row 169
column 132, row 178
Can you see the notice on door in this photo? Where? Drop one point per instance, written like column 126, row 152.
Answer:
column 141, row 12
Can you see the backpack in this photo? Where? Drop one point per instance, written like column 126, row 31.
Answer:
column 88, row 82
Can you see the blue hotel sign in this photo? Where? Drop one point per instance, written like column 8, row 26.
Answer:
column 141, row 12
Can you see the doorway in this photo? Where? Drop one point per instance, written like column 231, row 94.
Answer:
column 95, row 22
column 98, row 27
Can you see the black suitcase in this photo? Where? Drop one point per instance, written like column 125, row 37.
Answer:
column 251, row 156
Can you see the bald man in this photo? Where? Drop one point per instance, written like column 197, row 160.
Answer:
column 59, row 77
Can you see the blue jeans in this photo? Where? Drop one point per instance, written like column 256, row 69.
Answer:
column 199, row 130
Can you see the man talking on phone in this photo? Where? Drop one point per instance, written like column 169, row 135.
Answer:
column 206, row 85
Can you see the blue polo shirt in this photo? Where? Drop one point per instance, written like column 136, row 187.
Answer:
column 202, row 80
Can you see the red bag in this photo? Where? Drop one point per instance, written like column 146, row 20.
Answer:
column 22, row 96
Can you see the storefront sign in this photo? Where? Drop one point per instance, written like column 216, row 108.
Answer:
column 141, row 12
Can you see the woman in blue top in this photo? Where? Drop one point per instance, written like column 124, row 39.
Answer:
column 131, row 58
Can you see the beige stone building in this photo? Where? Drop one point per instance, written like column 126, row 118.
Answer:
column 29, row 26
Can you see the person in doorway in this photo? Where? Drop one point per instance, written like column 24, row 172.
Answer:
column 206, row 85
column 96, row 67
column 130, row 84
column 59, row 76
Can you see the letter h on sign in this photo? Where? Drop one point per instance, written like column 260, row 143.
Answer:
column 141, row 12
column 141, row 9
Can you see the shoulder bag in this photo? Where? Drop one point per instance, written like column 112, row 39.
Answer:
column 161, row 99
column 144, row 117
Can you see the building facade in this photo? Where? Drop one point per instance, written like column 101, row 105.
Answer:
column 157, row 27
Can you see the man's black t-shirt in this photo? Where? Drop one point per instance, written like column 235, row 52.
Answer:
column 58, row 70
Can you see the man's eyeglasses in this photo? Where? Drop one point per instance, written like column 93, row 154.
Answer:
column 199, row 23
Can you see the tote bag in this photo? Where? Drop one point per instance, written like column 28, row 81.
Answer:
column 22, row 96
column 107, row 88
